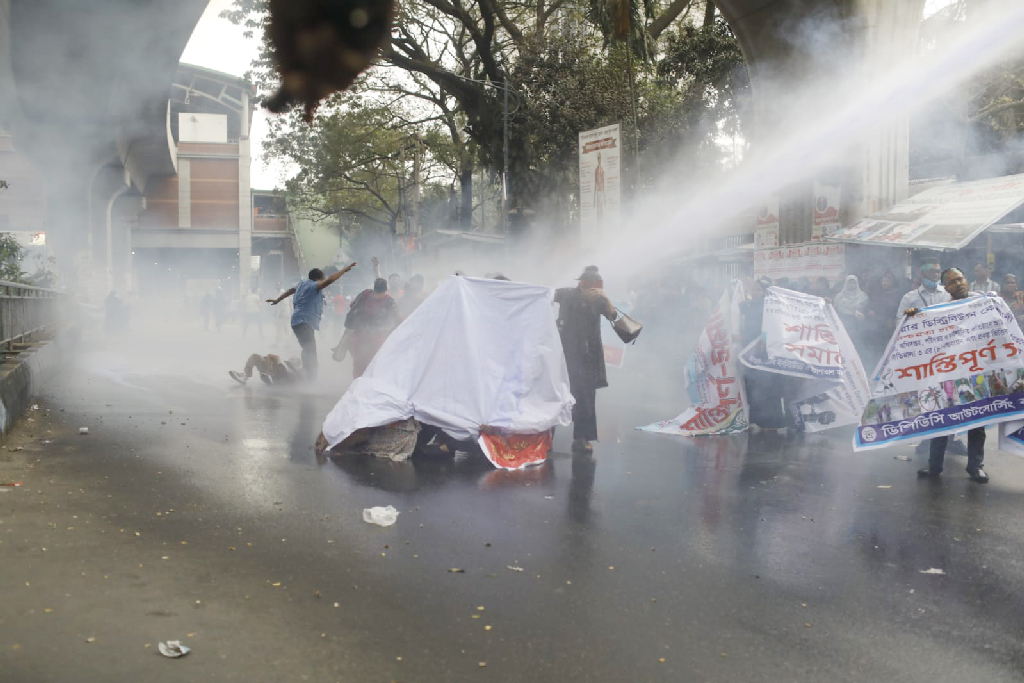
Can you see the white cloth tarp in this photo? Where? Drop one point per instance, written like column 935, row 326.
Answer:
column 476, row 352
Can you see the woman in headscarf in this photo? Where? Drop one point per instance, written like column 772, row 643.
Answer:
column 851, row 304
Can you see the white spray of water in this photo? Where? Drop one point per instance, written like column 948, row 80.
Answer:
column 812, row 142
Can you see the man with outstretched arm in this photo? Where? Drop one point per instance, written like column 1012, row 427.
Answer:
column 308, row 308
column 955, row 282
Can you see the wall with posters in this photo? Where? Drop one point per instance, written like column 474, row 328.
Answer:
column 794, row 261
column 599, row 151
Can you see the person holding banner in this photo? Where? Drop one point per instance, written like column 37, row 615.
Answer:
column 955, row 283
column 764, row 390
column 579, row 326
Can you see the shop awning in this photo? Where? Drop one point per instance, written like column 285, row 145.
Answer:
column 946, row 217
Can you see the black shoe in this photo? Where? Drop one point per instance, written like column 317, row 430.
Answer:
column 956, row 447
column 978, row 475
column 925, row 472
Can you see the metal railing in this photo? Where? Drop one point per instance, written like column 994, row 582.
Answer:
column 26, row 311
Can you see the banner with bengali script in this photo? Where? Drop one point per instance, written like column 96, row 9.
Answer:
column 951, row 367
column 797, row 337
column 717, row 401
column 802, row 336
column 516, row 451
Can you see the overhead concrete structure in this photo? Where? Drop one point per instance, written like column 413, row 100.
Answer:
column 83, row 92
column 791, row 43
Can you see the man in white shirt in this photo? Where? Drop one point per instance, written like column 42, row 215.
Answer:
column 928, row 294
column 983, row 283
column 956, row 283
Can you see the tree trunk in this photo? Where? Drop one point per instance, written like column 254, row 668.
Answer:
column 709, row 13
column 466, row 211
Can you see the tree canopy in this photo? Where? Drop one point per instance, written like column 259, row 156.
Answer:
column 667, row 71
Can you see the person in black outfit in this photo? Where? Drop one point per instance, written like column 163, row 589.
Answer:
column 579, row 326
column 764, row 389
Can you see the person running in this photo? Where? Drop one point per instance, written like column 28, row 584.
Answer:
column 370, row 320
column 272, row 370
column 955, row 282
column 308, row 308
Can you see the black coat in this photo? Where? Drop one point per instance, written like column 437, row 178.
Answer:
column 579, row 325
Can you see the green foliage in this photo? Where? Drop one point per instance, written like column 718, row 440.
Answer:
column 10, row 258
column 984, row 116
column 356, row 162
column 441, row 80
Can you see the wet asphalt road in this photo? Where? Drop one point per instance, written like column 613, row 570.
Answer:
column 757, row 558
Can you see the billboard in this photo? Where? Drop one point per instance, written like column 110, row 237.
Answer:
column 766, row 227
column 599, row 152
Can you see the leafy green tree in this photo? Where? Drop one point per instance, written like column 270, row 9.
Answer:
column 982, row 117
column 11, row 252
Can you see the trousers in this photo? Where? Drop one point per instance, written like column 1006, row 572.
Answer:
column 584, row 413
column 975, row 450
column 307, row 340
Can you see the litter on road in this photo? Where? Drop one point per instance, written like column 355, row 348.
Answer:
column 381, row 516
column 173, row 649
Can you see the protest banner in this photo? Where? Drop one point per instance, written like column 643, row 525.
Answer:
column 516, row 451
column 766, row 226
column 802, row 336
column 951, row 367
column 717, row 401
column 798, row 337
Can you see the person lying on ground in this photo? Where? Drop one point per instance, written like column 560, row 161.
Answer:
column 271, row 368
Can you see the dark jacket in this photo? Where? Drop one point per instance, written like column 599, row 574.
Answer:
column 579, row 325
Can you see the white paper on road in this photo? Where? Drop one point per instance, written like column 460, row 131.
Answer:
column 476, row 352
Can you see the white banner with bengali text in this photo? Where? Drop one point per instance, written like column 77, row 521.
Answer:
column 951, row 367
column 802, row 336
column 718, row 404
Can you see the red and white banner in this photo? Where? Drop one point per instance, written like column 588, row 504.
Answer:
column 516, row 451
column 715, row 388
column 794, row 261
column 766, row 227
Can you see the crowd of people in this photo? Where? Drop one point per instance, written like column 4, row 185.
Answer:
column 871, row 305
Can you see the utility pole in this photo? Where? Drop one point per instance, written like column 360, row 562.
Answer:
column 414, row 227
column 504, row 174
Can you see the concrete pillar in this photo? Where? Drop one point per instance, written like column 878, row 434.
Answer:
column 129, row 261
column 244, row 203
column 845, row 44
column 108, row 262
column 184, row 193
